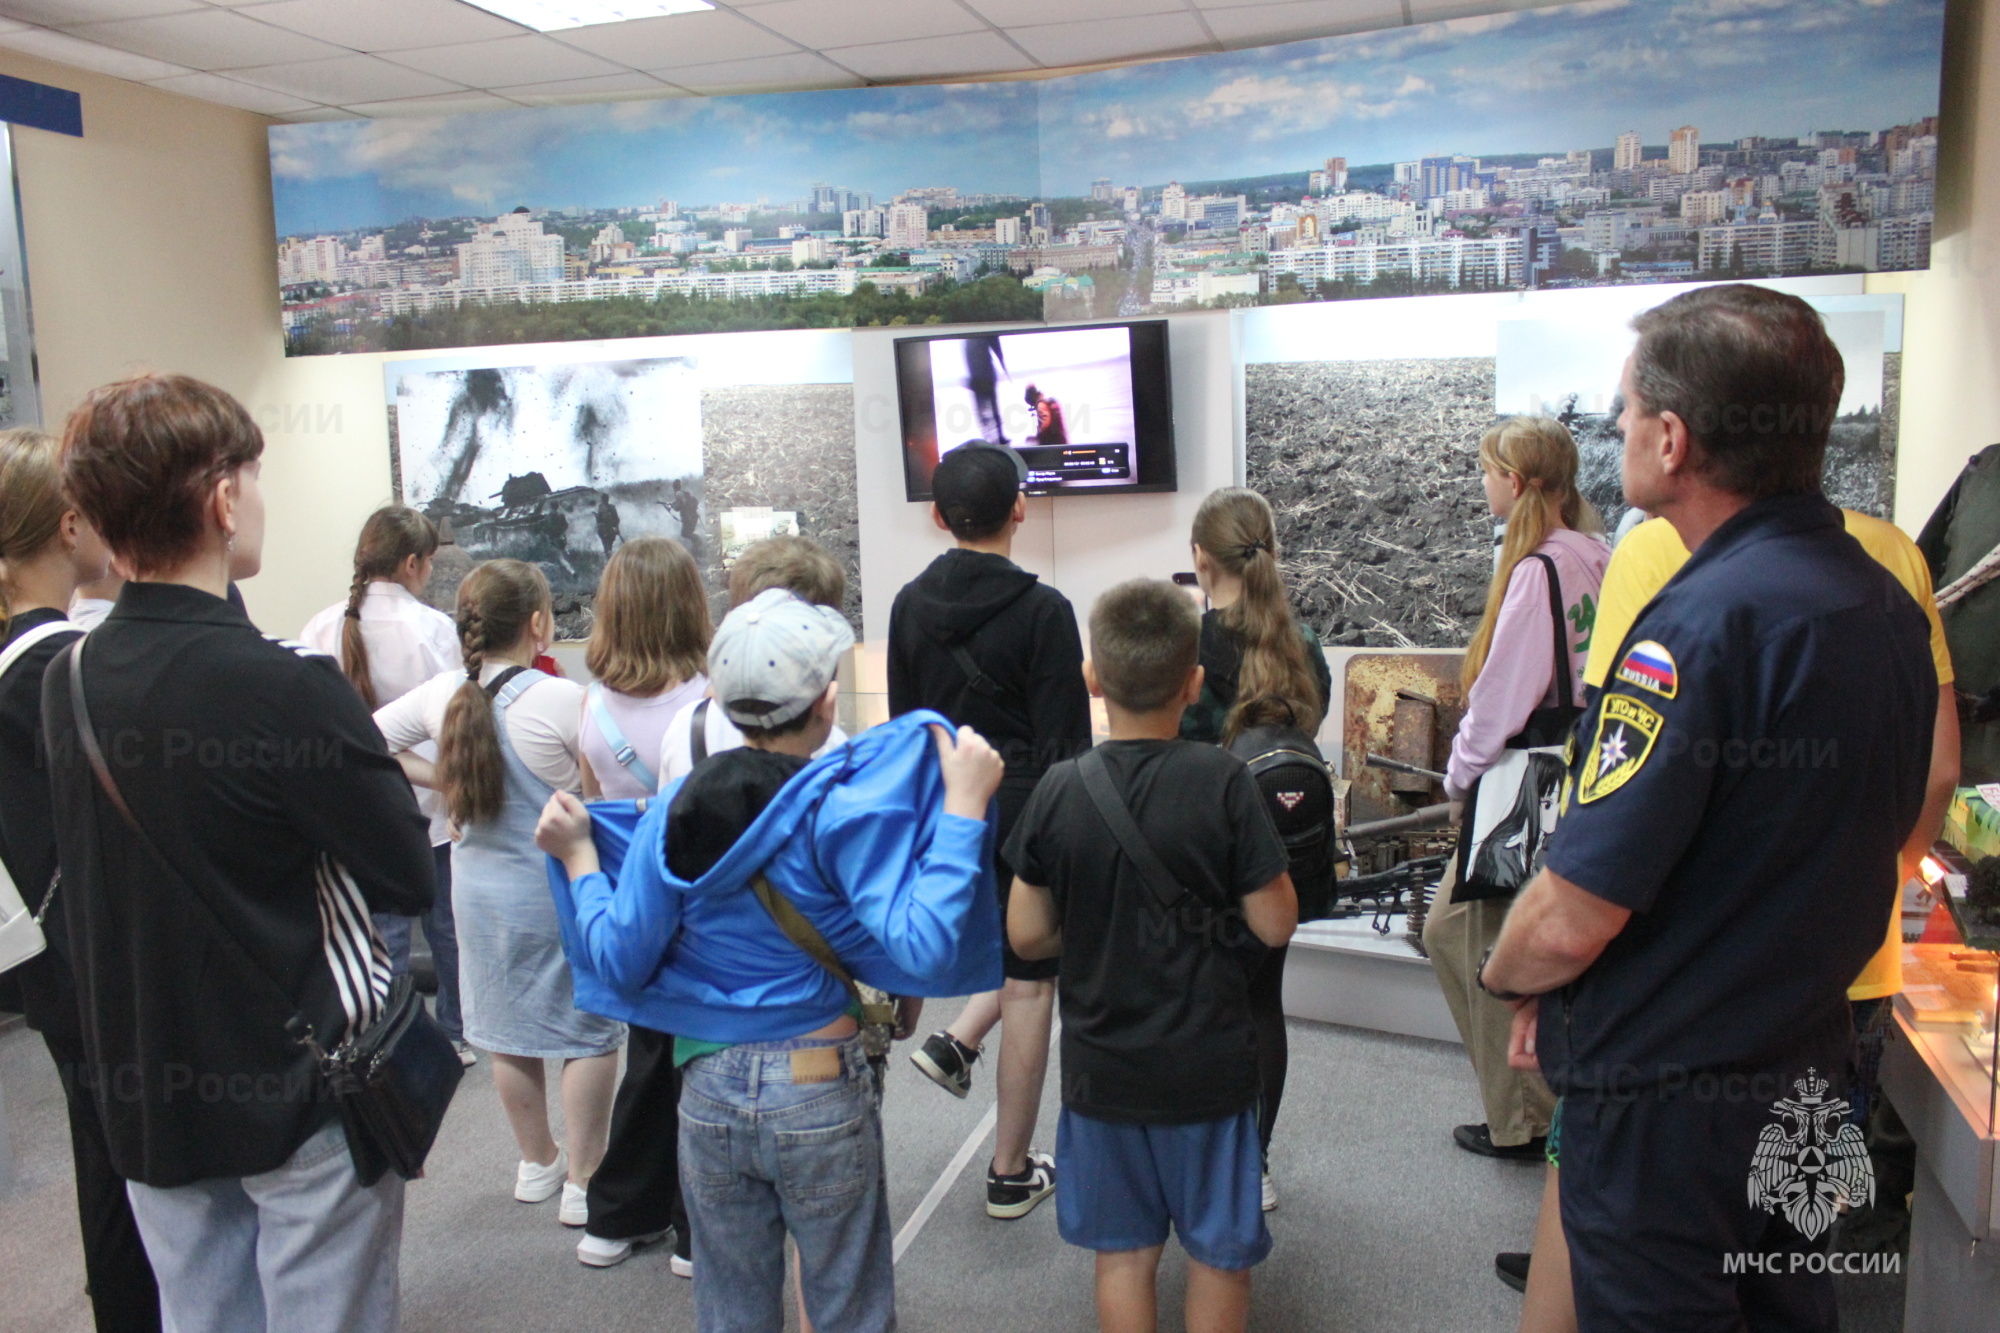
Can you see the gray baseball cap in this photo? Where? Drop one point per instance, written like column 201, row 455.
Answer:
column 773, row 656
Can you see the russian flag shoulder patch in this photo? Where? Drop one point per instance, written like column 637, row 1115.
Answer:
column 1651, row 667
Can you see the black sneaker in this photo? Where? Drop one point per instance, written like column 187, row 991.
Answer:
column 1479, row 1140
column 1511, row 1267
column 946, row 1062
column 1011, row 1197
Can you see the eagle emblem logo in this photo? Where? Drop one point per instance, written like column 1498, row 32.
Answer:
column 1812, row 1163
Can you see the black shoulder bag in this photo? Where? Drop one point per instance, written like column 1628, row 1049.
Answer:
column 393, row 1079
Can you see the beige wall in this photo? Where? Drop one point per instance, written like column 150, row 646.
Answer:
column 150, row 246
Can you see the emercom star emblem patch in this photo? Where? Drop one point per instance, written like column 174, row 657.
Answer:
column 1626, row 730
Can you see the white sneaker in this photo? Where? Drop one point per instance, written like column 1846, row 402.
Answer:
column 680, row 1267
column 466, row 1055
column 575, row 1210
column 597, row 1252
column 1270, row 1194
column 535, row 1183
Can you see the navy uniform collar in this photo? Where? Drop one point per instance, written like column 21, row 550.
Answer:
column 1772, row 516
column 175, row 602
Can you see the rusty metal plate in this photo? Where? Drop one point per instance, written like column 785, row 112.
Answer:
column 1371, row 726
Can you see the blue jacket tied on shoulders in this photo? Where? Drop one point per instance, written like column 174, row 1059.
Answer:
column 858, row 841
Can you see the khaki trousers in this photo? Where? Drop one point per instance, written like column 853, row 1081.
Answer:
column 1457, row 936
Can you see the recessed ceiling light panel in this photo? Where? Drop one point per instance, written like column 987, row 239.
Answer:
column 555, row 15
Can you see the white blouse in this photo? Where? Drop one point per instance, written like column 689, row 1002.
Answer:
column 542, row 722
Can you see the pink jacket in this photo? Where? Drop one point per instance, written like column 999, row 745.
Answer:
column 1519, row 675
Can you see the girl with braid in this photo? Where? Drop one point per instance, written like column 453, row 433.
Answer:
column 388, row 641
column 507, row 738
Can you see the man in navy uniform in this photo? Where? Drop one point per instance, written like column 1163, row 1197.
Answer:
column 1735, row 801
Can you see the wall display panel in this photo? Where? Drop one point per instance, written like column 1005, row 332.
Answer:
column 1362, row 423
column 1574, row 146
column 562, row 458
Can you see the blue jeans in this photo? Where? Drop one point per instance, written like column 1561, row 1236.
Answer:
column 441, row 930
column 303, row 1248
column 762, row 1156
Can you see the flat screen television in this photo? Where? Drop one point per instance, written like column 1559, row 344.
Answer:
column 1088, row 407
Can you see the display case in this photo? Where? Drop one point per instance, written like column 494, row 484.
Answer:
column 1938, row 1070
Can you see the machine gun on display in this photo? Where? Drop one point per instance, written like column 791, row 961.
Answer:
column 1409, row 854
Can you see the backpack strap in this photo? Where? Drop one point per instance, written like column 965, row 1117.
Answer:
column 800, row 931
column 621, row 749
column 1168, row 891
column 698, row 733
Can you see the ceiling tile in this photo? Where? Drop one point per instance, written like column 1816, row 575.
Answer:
column 1013, row 13
column 66, row 50
column 1249, row 25
column 1430, row 11
column 345, row 80
column 801, row 69
column 603, row 85
column 212, row 39
column 1112, row 39
column 525, row 59
column 386, row 25
column 228, row 92
column 678, row 39
column 67, row 12
column 442, row 104
column 824, row 23
column 933, row 57
column 317, row 113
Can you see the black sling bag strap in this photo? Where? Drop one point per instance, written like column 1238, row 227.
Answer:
column 975, row 676
column 698, row 733
column 393, row 1081
column 499, row 682
column 1174, row 898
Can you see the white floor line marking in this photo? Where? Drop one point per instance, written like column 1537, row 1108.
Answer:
column 953, row 1170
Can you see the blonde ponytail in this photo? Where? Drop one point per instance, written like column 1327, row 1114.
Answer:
column 1540, row 452
column 1237, row 530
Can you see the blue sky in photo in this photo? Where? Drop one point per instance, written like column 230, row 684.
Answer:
column 337, row 175
column 1536, row 81
column 1539, row 81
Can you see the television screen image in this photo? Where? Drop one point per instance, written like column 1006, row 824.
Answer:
column 1087, row 408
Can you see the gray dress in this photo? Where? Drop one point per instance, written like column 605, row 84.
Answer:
column 513, row 977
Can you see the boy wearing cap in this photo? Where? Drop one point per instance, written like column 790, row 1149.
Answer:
column 1150, row 867
column 753, row 893
column 984, row 642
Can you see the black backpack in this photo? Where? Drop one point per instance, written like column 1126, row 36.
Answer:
column 1298, row 791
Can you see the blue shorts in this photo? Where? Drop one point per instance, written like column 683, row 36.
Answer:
column 1123, row 1186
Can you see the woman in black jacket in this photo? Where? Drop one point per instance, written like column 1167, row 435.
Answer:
column 274, row 822
column 46, row 552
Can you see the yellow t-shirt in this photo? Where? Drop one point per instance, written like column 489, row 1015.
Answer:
column 1652, row 553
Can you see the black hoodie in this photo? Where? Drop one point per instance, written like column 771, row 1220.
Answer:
column 1019, row 632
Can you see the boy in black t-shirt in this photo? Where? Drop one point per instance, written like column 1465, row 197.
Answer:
column 990, row 646
column 1159, row 1061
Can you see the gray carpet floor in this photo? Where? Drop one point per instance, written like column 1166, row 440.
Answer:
column 1383, row 1226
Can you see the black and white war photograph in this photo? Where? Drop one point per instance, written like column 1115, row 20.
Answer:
column 554, row 464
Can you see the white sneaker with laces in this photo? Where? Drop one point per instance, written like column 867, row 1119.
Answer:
column 575, row 1210
column 535, row 1183
column 597, row 1252
column 1270, row 1194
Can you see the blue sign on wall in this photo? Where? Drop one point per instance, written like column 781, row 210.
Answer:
column 40, row 106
